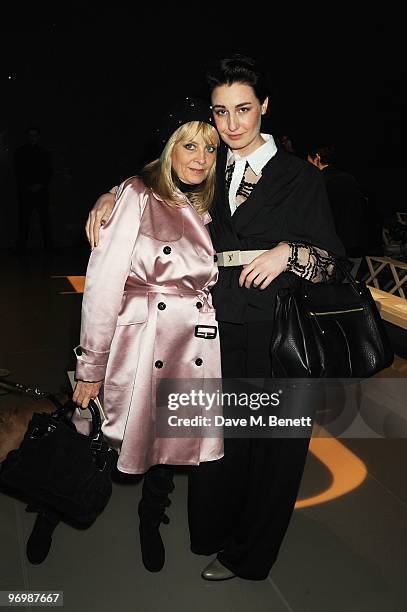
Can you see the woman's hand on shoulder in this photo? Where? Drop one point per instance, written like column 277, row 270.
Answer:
column 85, row 391
column 98, row 216
column 265, row 268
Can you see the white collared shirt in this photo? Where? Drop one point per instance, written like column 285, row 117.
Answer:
column 256, row 160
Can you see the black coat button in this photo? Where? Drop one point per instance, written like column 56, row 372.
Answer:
column 199, row 304
column 161, row 306
column 167, row 250
column 158, row 364
column 198, row 361
column 78, row 351
column 215, row 258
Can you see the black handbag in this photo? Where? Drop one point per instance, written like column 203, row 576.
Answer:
column 59, row 469
column 330, row 330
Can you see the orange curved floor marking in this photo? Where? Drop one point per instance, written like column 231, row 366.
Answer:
column 77, row 282
column 346, row 469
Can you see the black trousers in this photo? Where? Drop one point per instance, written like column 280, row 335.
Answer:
column 240, row 506
column 30, row 202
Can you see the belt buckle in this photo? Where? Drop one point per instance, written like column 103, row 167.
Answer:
column 206, row 331
column 231, row 258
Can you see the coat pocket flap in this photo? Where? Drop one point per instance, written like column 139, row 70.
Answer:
column 134, row 309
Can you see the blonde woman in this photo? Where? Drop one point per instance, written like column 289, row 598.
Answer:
column 146, row 295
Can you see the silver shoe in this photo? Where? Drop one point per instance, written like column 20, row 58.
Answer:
column 216, row 571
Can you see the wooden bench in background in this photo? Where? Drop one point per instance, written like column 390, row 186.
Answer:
column 393, row 308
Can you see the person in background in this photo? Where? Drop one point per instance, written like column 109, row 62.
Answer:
column 286, row 142
column 347, row 202
column 33, row 171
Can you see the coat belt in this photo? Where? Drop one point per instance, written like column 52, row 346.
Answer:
column 168, row 290
column 237, row 258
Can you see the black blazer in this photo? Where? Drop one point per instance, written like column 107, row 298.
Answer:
column 289, row 203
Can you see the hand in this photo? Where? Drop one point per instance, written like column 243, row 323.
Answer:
column 265, row 268
column 85, row 391
column 98, row 216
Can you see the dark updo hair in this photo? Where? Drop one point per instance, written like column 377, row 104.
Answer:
column 238, row 69
column 326, row 153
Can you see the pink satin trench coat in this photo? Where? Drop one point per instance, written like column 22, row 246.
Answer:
column 147, row 287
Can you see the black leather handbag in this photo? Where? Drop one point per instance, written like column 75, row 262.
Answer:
column 330, row 330
column 58, row 469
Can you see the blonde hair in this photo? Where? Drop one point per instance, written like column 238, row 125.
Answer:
column 158, row 174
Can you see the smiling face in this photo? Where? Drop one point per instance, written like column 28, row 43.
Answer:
column 192, row 159
column 237, row 113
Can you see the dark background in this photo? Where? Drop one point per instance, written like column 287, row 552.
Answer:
column 95, row 82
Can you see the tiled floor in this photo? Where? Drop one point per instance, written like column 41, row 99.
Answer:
column 349, row 553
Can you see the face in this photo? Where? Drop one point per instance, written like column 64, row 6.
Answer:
column 287, row 144
column 33, row 136
column 192, row 160
column 237, row 113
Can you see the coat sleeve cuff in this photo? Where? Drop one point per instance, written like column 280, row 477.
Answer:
column 91, row 365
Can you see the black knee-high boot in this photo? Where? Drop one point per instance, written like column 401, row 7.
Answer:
column 39, row 542
column 157, row 484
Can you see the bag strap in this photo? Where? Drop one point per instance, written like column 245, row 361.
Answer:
column 32, row 392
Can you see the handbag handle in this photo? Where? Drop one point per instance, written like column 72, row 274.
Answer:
column 355, row 284
column 96, row 431
column 96, row 435
column 61, row 409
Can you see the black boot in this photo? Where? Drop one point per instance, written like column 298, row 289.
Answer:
column 157, row 484
column 39, row 542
